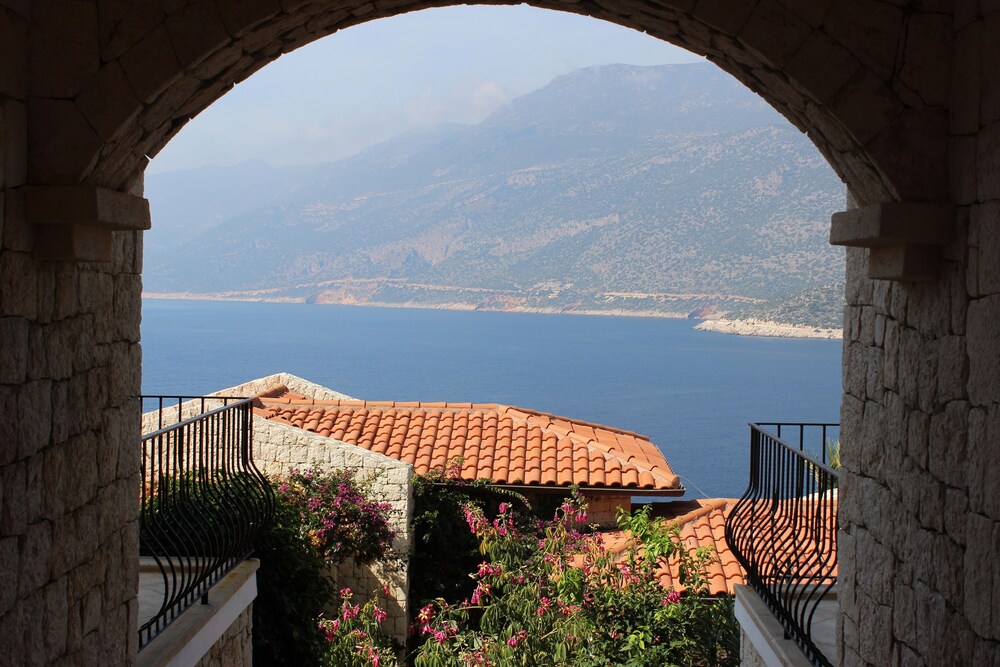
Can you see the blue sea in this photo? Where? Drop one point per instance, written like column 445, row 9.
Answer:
column 691, row 392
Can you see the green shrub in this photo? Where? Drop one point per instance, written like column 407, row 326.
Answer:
column 320, row 519
column 556, row 596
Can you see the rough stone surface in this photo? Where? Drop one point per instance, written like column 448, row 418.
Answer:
column 920, row 453
column 749, row 657
column 235, row 647
column 280, row 447
column 902, row 98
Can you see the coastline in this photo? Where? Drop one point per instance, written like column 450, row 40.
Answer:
column 768, row 329
column 732, row 327
column 184, row 296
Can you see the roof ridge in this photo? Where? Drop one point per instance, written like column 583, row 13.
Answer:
column 573, row 420
column 710, row 505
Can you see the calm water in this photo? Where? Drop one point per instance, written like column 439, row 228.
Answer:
column 691, row 392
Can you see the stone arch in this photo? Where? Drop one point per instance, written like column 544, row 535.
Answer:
column 859, row 89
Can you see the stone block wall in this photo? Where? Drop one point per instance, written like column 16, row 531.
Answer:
column 69, row 372
column 279, row 448
column 235, row 646
column 749, row 657
column 920, row 503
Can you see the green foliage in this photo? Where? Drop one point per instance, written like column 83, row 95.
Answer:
column 555, row 596
column 320, row 519
column 833, row 454
column 292, row 589
column 355, row 638
column 444, row 549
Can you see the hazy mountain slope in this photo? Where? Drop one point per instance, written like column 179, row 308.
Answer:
column 608, row 181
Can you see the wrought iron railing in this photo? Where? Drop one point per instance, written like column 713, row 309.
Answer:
column 783, row 531
column 203, row 501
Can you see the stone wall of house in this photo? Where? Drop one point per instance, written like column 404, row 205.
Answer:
column 920, row 502
column 235, row 647
column 279, row 448
column 749, row 657
column 69, row 371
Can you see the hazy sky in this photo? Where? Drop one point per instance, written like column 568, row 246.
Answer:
column 368, row 83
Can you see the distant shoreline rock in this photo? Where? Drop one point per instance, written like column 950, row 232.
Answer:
column 736, row 327
column 769, row 329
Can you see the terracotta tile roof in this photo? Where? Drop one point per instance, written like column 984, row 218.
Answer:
column 702, row 523
column 505, row 444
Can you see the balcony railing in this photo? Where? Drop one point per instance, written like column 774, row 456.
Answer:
column 783, row 530
column 203, row 501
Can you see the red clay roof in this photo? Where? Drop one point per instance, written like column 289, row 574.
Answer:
column 505, row 444
column 703, row 523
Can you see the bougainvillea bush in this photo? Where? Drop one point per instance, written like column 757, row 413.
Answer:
column 336, row 515
column 355, row 637
column 553, row 595
column 321, row 519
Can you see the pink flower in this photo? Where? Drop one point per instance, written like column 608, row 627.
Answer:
column 673, row 597
column 351, row 611
column 514, row 640
column 379, row 614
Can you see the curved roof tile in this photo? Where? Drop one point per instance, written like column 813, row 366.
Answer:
column 497, row 441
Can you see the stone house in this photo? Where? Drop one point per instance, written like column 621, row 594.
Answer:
column 901, row 96
column 536, row 454
column 299, row 424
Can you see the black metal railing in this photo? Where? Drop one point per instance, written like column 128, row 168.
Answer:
column 783, row 531
column 203, row 501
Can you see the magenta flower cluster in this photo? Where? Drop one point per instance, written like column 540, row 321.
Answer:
column 337, row 517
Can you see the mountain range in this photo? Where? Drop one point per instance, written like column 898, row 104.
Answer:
column 621, row 189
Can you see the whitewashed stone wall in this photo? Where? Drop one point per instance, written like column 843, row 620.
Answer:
column 749, row 657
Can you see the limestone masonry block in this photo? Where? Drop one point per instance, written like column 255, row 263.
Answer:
column 984, row 431
column 926, row 58
column 774, row 32
column 13, row 55
column 966, row 77
column 962, row 157
column 124, row 24
column 63, row 47
column 822, row 66
column 15, row 134
column 873, row 40
column 726, row 16
column 989, row 110
column 62, row 145
column 865, row 105
column 150, row 64
column 108, row 101
column 240, row 15
column 988, row 162
column 983, row 343
column 980, row 583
